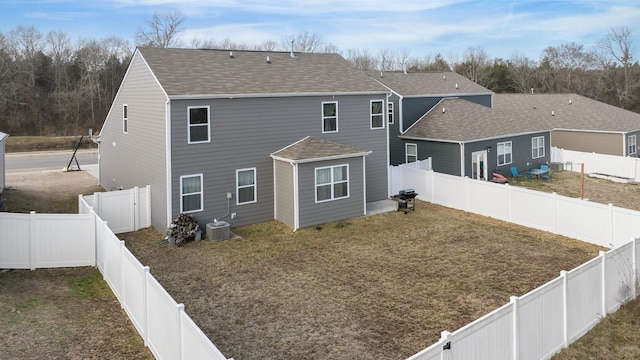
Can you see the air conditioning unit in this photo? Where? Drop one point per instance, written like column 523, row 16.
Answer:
column 219, row 230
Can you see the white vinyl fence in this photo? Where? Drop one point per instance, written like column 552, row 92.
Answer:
column 549, row 318
column 617, row 166
column 30, row 241
column 124, row 210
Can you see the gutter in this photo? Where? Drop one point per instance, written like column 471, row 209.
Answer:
column 270, row 95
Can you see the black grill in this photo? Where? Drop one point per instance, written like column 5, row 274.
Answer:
column 406, row 200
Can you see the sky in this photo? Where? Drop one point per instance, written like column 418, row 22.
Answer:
column 421, row 28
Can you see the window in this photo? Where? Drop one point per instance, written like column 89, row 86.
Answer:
column 537, row 147
column 390, row 106
column 191, row 199
column 198, row 118
column 377, row 116
column 125, row 118
column 332, row 183
column 504, row 153
column 246, row 186
column 411, row 151
column 632, row 145
column 329, row 117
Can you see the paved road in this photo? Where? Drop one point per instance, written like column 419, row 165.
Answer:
column 49, row 159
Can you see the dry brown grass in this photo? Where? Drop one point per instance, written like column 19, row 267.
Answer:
column 379, row 287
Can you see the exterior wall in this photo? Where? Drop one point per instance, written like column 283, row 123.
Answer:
column 137, row 158
column 2, row 164
column 626, row 150
column 521, row 155
column 312, row 213
column 245, row 131
column 445, row 156
column 284, row 178
column 601, row 143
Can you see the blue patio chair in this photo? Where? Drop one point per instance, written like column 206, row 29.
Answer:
column 544, row 167
column 514, row 172
column 546, row 175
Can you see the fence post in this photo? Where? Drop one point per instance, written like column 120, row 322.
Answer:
column 467, row 183
column 123, row 294
column 565, row 310
column 445, row 340
column 145, row 321
column 32, row 240
column 180, row 330
column 136, row 209
column 610, row 242
column 96, row 202
column 509, row 210
column 603, row 273
column 634, row 269
column 516, row 331
column 555, row 212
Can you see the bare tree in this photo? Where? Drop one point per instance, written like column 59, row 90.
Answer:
column 303, row 42
column 386, row 60
column 361, row 59
column 570, row 63
column 475, row 65
column 617, row 44
column 162, row 30
column 522, row 73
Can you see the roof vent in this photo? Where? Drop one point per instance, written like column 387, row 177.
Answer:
column 231, row 54
column 443, row 110
column 553, row 113
column 570, row 102
column 444, row 77
column 292, row 54
column 268, row 60
column 532, row 90
column 381, row 74
column 456, row 85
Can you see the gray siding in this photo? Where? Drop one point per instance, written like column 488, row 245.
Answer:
column 312, row 213
column 2, row 165
column 601, row 143
column 445, row 156
column 285, row 192
column 521, row 155
column 139, row 157
column 245, row 131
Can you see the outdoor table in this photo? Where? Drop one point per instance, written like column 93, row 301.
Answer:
column 537, row 172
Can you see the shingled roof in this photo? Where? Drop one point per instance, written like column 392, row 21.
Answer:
column 224, row 72
column 314, row 149
column 513, row 114
column 428, row 83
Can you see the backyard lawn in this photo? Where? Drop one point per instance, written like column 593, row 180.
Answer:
column 379, row 287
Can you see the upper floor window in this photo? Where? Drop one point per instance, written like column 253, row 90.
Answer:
column 198, row 119
column 390, row 106
column 504, row 153
column 332, row 182
column 632, row 145
column 246, row 186
column 537, row 147
column 191, row 198
column 125, row 118
column 411, row 151
column 329, row 117
column 377, row 115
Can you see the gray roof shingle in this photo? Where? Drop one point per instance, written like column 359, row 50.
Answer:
column 428, row 83
column 311, row 148
column 518, row 114
column 215, row 72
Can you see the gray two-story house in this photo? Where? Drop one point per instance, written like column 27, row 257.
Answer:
column 247, row 136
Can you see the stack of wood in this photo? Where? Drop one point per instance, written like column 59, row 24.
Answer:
column 184, row 228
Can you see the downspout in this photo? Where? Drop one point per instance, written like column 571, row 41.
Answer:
column 388, row 151
column 296, row 207
column 624, row 145
column 462, row 167
column 168, row 163
column 364, row 182
column 401, row 115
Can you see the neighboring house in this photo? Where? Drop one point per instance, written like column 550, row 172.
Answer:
column 3, row 137
column 247, row 136
column 413, row 94
column 580, row 123
column 468, row 139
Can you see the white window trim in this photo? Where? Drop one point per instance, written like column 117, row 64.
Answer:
column 498, row 153
column 125, row 118
column 254, row 186
column 201, row 193
column 390, row 113
column 406, row 152
column 189, row 124
column 371, row 114
column 634, row 143
column 332, row 183
column 533, row 140
column 329, row 117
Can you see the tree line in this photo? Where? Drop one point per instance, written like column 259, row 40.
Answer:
column 52, row 85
